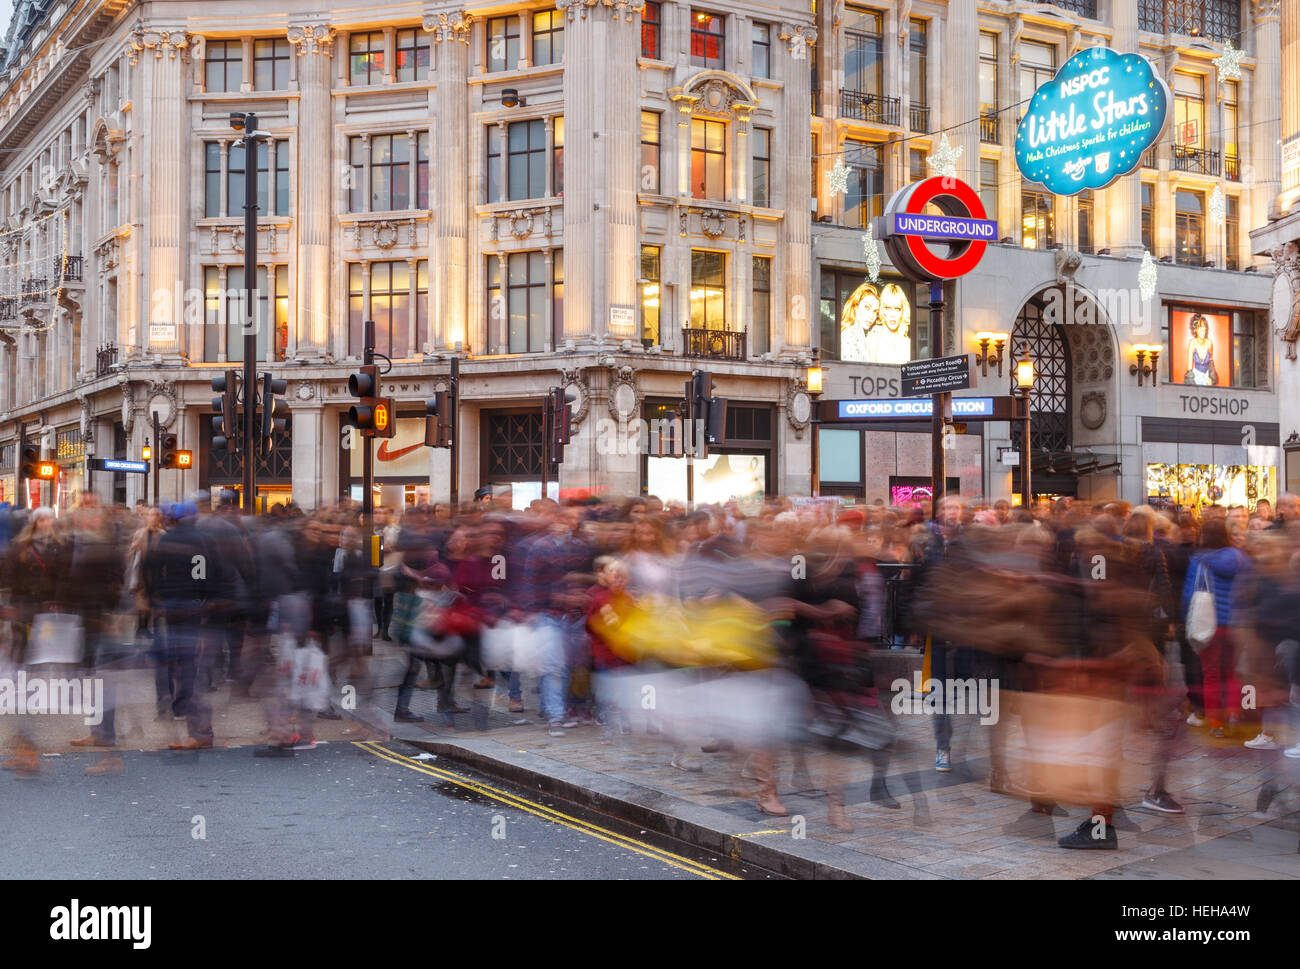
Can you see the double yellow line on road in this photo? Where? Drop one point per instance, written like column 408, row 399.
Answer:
column 550, row 814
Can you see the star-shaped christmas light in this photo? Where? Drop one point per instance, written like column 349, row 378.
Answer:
column 943, row 160
column 837, row 179
column 871, row 254
column 1229, row 62
column 1217, row 207
column 1147, row 277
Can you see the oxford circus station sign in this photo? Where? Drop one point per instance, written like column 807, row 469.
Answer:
column 1091, row 123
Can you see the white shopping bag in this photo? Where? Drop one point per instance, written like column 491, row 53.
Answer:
column 310, row 689
column 55, row 638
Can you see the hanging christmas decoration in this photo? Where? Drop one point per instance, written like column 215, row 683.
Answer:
column 1217, row 206
column 1147, row 277
column 837, row 179
column 1229, row 62
column 943, row 160
column 871, row 254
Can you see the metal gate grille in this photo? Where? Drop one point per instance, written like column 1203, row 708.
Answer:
column 1046, row 346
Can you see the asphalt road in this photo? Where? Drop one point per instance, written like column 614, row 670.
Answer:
column 339, row 811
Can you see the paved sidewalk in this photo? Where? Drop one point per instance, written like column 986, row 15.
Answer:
column 948, row 825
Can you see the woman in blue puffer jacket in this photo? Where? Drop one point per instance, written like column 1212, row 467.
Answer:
column 1223, row 564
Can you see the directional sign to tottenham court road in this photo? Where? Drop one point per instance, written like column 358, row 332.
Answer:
column 936, row 376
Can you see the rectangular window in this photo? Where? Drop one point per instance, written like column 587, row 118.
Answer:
column 1189, row 227
column 366, row 57
column 815, row 188
column 412, row 55
column 989, row 186
column 274, row 334
column 390, row 178
column 760, row 335
column 527, row 159
column 650, row 152
column 422, row 171
column 988, row 87
column 1231, row 132
column 863, row 51
column 1244, row 349
column 761, row 144
column 650, row 26
column 1038, row 219
column 503, row 43
column 708, row 290
column 390, row 306
column 916, row 168
column 496, row 302
column 213, row 318
column 548, row 37
column 526, row 286
column 223, row 66
column 1085, row 222
column 865, row 195
column 1148, row 207
column 212, row 180
column 282, row 177
column 493, row 163
column 650, row 295
column 1037, row 67
column 708, row 40
column 1189, row 110
column 271, row 65
column 557, row 156
column 1232, row 232
column 762, row 50
column 708, row 159
column 357, row 180
column 918, row 43
column 557, row 297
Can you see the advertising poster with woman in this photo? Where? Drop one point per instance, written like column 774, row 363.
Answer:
column 1200, row 348
column 874, row 326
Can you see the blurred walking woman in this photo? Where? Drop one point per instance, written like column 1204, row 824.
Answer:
column 1222, row 564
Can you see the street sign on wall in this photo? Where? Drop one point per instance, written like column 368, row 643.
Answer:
column 1091, row 123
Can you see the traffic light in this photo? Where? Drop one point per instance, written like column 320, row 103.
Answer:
column 438, row 425
column 275, row 412
column 225, row 426
column 363, row 386
column 34, row 466
column 707, row 415
column 557, row 422
column 168, row 450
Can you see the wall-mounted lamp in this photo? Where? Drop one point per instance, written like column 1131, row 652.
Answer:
column 991, row 347
column 1142, row 369
column 510, row 98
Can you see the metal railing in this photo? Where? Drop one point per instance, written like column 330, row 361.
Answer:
column 719, row 344
column 1084, row 8
column 989, row 129
column 1232, row 167
column 105, row 358
column 875, row 108
column 70, row 269
column 1202, row 161
column 918, row 118
column 34, row 289
column 1149, row 158
column 8, row 308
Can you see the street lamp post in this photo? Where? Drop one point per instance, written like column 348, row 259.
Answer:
column 1025, row 387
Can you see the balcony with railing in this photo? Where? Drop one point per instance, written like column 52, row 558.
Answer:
column 989, row 128
column 918, row 118
column 1232, row 167
column 105, row 359
column 1217, row 20
column 717, row 344
column 872, row 108
column 1084, row 8
column 35, row 289
column 8, row 308
column 1200, row 161
column 69, row 267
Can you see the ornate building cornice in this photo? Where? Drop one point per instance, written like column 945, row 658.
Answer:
column 627, row 9
column 312, row 39
column 173, row 43
column 449, row 26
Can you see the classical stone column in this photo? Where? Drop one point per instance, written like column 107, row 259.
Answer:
column 1291, row 88
column 449, row 171
column 602, row 140
column 1266, row 109
column 1123, row 198
column 315, row 46
column 960, row 98
column 164, row 53
column 793, row 301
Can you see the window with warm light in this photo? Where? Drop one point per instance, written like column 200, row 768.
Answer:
column 760, row 328
column 708, row 159
column 1189, row 227
column 1231, row 123
column 864, row 59
column 1148, row 212
column 650, row 152
column 708, row 40
column 761, row 148
column 1037, row 218
column 988, row 87
column 866, row 190
column 548, row 37
column 708, row 290
column 1189, row 110
column 1085, row 222
column 989, row 186
column 650, row 25
column 366, row 57
column 650, row 295
column 1232, row 232
column 1037, row 66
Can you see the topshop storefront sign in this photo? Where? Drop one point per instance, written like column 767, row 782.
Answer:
column 1091, row 123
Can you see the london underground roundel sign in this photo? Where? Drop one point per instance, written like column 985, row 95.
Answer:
column 960, row 234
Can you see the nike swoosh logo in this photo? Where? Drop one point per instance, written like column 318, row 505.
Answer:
column 383, row 454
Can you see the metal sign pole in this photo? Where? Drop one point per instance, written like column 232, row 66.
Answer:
column 942, row 413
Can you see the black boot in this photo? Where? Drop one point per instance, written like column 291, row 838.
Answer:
column 1083, row 837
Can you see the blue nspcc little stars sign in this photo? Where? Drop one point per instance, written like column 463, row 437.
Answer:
column 1091, row 123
